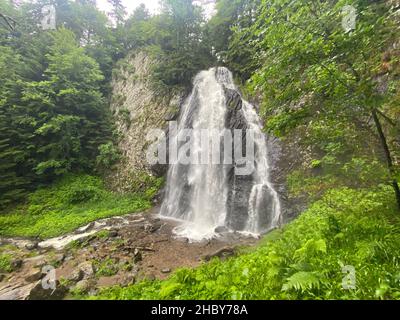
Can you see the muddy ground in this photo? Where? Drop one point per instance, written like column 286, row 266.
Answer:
column 117, row 251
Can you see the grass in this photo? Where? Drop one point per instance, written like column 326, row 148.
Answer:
column 73, row 202
column 305, row 260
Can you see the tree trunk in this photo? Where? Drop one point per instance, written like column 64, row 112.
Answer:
column 388, row 155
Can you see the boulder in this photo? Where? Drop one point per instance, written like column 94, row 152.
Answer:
column 152, row 227
column 34, row 276
column 87, row 269
column 38, row 292
column 128, row 280
column 16, row 264
column 16, row 291
column 58, row 258
column 221, row 229
column 38, row 261
column 75, row 276
column 222, row 254
column 83, row 286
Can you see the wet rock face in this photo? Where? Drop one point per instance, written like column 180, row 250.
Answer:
column 235, row 118
column 238, row 199
column 267, row 202
column 239, row 186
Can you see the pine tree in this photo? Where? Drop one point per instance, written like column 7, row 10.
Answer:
column 118, row 12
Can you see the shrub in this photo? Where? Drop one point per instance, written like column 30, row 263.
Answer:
column 305, row 260
column 5, row 263
column 67, row 205
column 108, row 156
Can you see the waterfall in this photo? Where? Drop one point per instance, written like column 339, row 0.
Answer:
column 262, row 186
column 197, row 193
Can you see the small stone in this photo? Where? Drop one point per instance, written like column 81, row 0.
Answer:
column 34, row 276
column 222, row 254
column 32, row 246
column 106, row 282
column 83, row 286
column 150, row 277
column 59, row 258
column 16, row 264
column 166, row 270
column 128, row 280
column 113, row 234
column 2, row 277
column 69, row 258
column 152, row 228
column 137, row 256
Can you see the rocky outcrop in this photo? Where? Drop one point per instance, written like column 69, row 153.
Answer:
column 239, row 186
column 138, row 107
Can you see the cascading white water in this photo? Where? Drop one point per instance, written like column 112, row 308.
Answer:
column 208, row 190
column 197, row 194
column 261, row 176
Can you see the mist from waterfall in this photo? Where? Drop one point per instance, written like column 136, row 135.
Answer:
column 197, row 194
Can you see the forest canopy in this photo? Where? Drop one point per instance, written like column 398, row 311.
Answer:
column 337, row 89
column 55, row 88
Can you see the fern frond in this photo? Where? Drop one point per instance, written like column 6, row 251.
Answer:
column 302, row 281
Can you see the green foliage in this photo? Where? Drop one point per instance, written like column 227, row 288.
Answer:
column 66, row 206
column 108, row 156
column 5, row 263
column 125, row 115
column 305, row 260
column 146, row 184
column 178, row 42
column 323, row 84
column 106, row 268
column 55, row 123
column 53, row 86
column 302, row 281
column 319, row 176
column 232, row 40
column 103, row 234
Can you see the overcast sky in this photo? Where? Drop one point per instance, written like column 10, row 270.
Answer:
column 152, row 5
